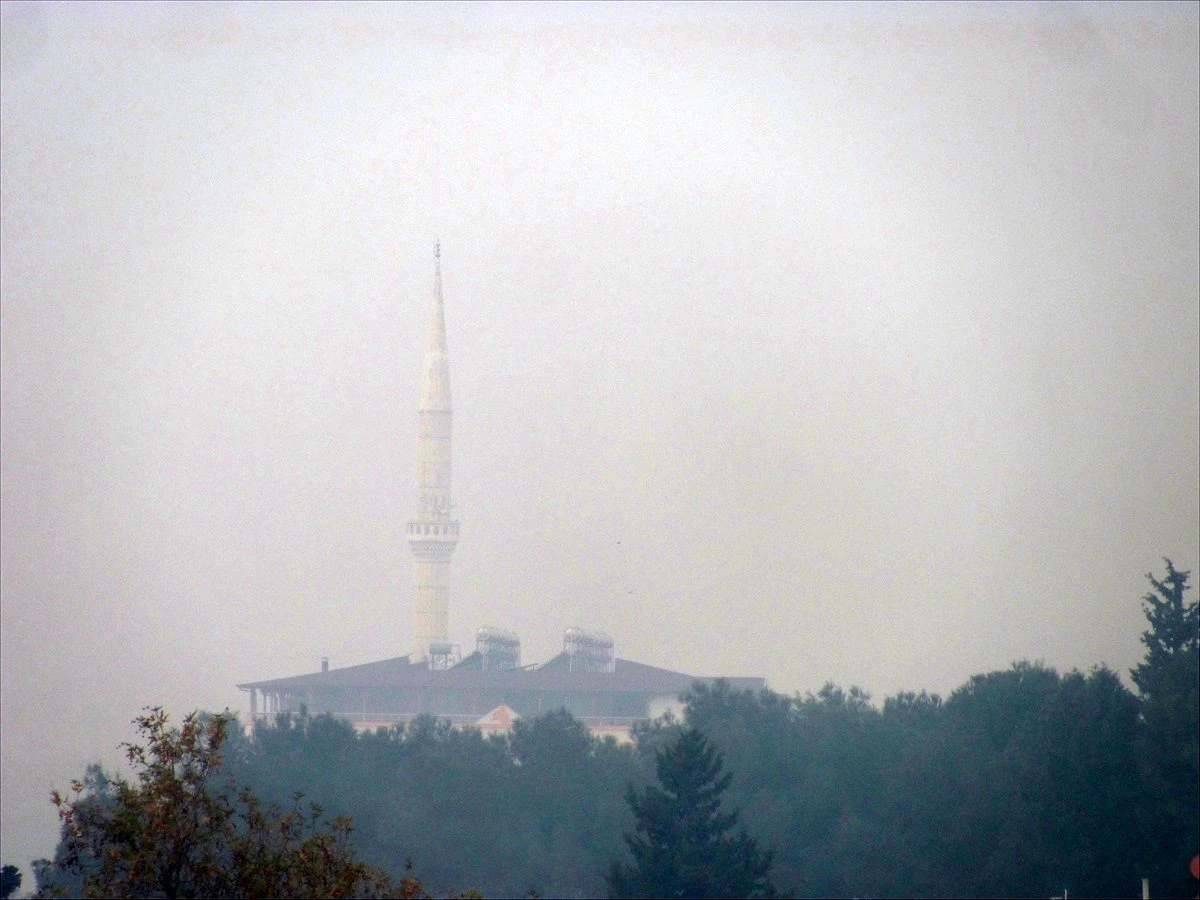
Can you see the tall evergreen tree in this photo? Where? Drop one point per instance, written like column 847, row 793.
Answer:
column 1173, row 638
column 1168, row 680
column 683, row 846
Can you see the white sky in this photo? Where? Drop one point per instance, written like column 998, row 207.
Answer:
column 813, row 342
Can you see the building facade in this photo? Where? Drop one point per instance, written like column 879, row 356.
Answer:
column 606, row 693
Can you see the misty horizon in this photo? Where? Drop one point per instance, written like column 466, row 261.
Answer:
column 815, row 342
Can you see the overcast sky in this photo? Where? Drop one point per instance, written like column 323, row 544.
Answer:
column 852, row 343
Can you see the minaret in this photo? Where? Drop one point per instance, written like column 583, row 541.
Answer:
column 432, row 533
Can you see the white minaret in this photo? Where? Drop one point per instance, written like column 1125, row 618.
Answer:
column 433, row 532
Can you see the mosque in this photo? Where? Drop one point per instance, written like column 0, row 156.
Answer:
column 488, row 687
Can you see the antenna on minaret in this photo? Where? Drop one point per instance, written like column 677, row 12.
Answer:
column 437, row 280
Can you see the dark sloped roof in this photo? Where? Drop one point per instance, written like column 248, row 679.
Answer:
column 628, row 677
column 473, row 660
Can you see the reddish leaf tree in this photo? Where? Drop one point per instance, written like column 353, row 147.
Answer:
column 181, row 830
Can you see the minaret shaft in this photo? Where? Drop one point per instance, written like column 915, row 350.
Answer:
column 433, row 533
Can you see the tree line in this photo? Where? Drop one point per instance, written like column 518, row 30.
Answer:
column 1024, row 782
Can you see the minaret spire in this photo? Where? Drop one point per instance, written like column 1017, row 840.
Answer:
column 435, row 386
column 432, row 534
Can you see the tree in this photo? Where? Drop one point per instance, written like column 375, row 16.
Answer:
column 568, row 784
column 10, row 881
column 682, row 846
column 1026, row 788
column 1173, row 638
column 1168, row 679
column 180, row 830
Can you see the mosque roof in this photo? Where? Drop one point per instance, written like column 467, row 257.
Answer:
column 554, row 675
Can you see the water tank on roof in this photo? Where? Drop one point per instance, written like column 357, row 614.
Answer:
column 588, row 651
column 442, row 655
column 498, row 649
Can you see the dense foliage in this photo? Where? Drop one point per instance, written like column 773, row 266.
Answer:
column 541, row 810
column 1019, row 785
column 1022, row 783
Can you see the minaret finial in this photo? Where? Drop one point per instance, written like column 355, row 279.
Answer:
column 437, row 249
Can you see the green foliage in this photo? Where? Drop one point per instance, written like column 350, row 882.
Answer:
column 1168, row 679
column 539, row 810
column 180, row 830
column 682, row 846
column 1030, row 778
column 1018, row 785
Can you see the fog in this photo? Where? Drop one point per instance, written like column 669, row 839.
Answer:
column 853, row 343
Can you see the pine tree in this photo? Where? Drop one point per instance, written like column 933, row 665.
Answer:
column 1168, row 680
column 1174, row 634
column 682, row 846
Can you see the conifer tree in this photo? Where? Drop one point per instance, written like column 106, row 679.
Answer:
column 683, row 846
column 1168, row 679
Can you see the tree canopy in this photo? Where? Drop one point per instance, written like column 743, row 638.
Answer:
column 180, row 830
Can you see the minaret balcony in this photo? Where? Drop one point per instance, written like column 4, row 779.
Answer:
column 432, row 539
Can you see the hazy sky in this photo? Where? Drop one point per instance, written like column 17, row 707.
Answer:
column 812, row 342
